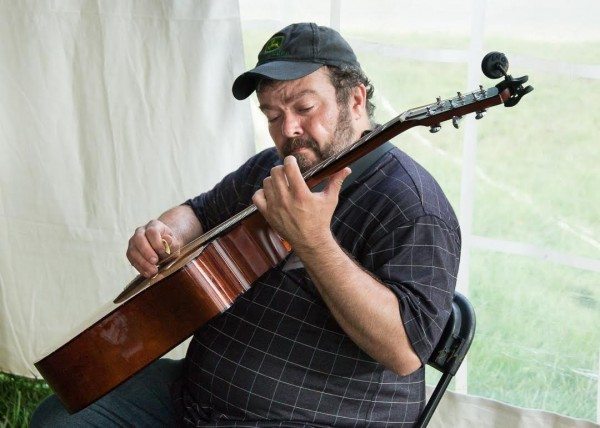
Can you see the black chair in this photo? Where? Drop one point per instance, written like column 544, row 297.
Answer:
column 450, row 351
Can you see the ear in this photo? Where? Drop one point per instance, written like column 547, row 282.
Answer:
column 358, row 101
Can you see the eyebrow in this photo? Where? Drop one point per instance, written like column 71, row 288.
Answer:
column 290, row 99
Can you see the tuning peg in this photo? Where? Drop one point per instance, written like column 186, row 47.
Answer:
column 456, row 121
column 435, row 128
column 479, row 114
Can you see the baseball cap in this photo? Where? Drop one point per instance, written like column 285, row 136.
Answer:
column 295, row 52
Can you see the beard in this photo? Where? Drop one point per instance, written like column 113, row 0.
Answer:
column 342, row 137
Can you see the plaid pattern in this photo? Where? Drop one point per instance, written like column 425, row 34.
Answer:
column 277, row 357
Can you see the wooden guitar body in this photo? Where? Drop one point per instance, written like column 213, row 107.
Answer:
column 153, row 316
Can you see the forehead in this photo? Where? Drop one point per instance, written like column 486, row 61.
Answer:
column 316, row 84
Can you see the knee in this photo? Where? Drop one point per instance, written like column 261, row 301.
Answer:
column 49, row 413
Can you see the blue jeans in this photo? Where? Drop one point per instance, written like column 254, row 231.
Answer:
column 142, row 401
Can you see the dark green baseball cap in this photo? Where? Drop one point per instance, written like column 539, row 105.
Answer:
column 295, row 52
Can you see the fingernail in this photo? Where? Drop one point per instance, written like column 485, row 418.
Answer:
column 154, row 259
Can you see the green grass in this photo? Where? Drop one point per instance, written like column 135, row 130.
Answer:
column 19, row 397
column 537, row 334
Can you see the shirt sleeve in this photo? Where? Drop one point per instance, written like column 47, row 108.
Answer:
column 419, row 261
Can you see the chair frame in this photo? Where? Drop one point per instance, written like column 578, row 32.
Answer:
column 450, row 351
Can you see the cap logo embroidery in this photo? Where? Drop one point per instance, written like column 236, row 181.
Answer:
column 273, row 44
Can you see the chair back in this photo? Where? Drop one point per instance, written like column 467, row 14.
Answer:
column 450, row 351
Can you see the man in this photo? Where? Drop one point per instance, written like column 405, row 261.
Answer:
column 338, row 333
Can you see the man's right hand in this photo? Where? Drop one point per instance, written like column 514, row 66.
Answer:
column 146, row 246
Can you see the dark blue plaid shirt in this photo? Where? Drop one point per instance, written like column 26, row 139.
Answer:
column 277, row 357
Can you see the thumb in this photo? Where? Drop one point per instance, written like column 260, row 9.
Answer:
column 335, row 181
column 170, row 243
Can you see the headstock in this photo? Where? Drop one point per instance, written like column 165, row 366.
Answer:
column 509, row 92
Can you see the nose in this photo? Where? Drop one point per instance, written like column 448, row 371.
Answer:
column 291, row 126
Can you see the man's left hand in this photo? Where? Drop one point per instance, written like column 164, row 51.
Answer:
column 301, row 217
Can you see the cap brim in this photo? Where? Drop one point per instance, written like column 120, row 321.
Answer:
column 246, row 83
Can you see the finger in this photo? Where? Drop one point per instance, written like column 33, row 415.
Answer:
column 268, row 191
column 166, row 246
column 293, row 174
column 260, row 201
column 155, row 235
column 335, row 181
column 140, row 242
column 143, row 266
column 174, row 243
column 279, row 180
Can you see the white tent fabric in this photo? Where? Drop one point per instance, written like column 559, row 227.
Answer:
column 111, row 113
column 466, row 411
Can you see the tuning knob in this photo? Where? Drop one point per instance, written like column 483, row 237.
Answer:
column 479, row 114
column 456, row 121
column 494, row 65
column 435, row 128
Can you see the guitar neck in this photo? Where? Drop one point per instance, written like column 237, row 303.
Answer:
column 429, row 115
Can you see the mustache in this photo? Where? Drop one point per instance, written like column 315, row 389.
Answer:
column 298, row 143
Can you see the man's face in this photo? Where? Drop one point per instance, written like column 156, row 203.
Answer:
column 305, row 119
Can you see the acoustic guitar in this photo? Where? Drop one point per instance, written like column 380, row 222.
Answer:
column 152, row 316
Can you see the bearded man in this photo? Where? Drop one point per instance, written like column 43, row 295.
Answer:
column 338, row 333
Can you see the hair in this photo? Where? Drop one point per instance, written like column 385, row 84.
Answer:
column 343, row 80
